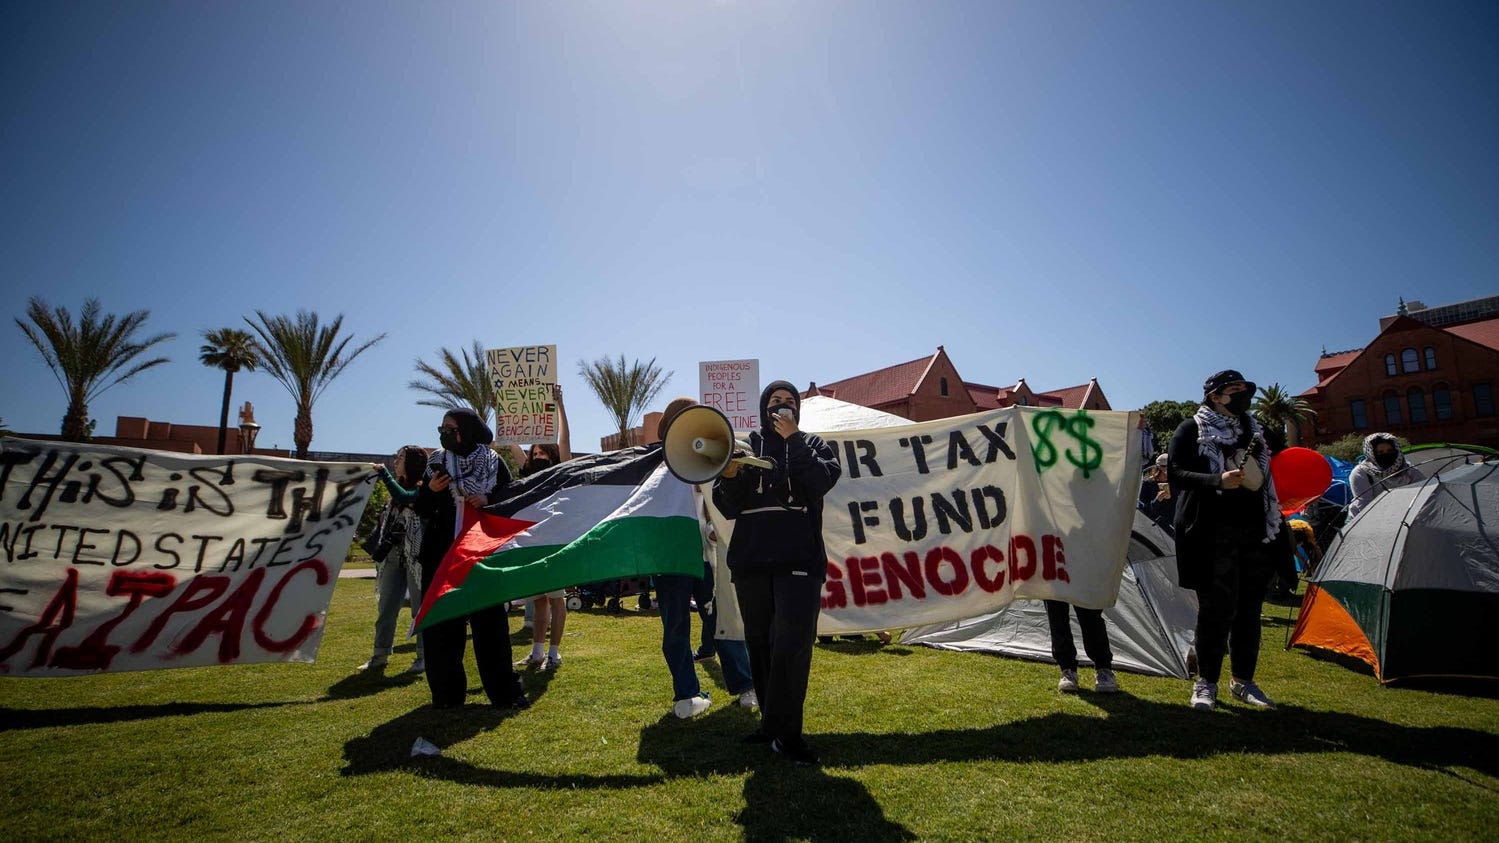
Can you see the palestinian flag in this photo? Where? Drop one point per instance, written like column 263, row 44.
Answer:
column 600, row 517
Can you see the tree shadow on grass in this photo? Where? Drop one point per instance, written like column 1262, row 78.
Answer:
column 12, row 719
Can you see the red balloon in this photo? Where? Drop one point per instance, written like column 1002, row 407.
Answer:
column 1301, row 476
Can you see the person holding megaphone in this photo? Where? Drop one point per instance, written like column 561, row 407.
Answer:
column 777, row 560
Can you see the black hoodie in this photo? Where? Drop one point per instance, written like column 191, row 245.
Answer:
column 778, row 513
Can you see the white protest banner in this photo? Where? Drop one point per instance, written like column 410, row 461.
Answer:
column 525, row 380
column 733, row 388
column 949, row 519
column 115, row 559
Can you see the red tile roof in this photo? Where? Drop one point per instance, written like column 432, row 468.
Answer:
column 984, row 396
column 881, row 386
column 1336, row 361
column 1484, row 332
column 1070, row 397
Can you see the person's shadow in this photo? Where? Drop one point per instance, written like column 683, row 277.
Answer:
column 782, row 801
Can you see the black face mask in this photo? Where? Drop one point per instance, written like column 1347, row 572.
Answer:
column 1238, row 403
column 448, row 441
column 539, row 463
column 1385, row 460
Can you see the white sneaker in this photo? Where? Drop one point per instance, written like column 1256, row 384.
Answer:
column 552, row 662
column 375, row 663
column 1249, row 694
column 1204, row 695
column 749, row 700
column 1068, row 683
column 690, row 707
column 418, row 666
column 1105, row 683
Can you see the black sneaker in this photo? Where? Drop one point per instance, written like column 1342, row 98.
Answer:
column 798, row 752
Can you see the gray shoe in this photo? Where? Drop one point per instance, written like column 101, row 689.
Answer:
column 1204, row 695
column 1068, row 683
column 1250, row 694
column 1105, row 683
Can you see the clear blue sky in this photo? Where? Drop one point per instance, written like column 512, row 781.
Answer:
column 1138, row 192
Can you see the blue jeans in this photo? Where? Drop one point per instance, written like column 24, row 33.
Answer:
column 394, row 581
column 673, row 593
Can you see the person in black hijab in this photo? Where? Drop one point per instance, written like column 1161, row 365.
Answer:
column 778, row 562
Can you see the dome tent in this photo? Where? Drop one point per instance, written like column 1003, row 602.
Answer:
column 1411, row 584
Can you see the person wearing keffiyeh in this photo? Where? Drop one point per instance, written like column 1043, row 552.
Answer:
column 1384, row 468
column 1226, row 533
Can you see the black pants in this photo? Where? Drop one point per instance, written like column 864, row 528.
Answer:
column 780, row 624
column 445, row 643
column 1228, row 608
column 1095, row 636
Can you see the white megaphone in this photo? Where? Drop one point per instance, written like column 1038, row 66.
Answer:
column 700, row 444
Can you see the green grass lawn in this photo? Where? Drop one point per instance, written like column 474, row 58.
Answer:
column 916, row 744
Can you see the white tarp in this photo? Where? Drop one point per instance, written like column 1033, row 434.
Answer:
column 115, row 559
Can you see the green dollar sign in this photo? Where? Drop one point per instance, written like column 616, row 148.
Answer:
column 1087, row 461
column 1043, row 452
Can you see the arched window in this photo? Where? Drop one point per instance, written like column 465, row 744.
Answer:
column 1431, row 358
column 1389, row 365
column 1409, row 362
column 1441, row 403
column 1416, row 400
column 942, row 385
column 1392, row 415
column 1360, row 413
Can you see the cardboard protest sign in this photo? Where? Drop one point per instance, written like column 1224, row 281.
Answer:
column 949, row 519
column 115, row 559
column 733, row 388
column 525, row 381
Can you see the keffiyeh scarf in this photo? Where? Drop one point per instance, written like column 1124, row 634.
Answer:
column 1217, row 435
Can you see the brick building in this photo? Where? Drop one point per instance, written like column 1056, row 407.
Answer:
column 1428, row 376
column 931, row 388
column 920, row 390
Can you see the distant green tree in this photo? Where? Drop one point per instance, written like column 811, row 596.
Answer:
column 5, row 431
column 229, row 349
column 1163, row 417
column 89, row 356
column 1277, row 408
column 456, row 383
column 305, row 356
column 1351, row 447
column 624, row 389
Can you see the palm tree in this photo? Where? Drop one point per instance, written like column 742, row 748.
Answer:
column 1278, row 408
column 305, row 357
column 91, row 356
column 455, row 384
column 624, row 389
column 229, row 349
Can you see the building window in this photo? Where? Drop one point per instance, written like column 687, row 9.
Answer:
column 1360, row 414
column 1389, row 365
column 1483, row 399
column 1416, row 399
column 1441, row 403
column 1431, row 358
column 942, row 386
column 1408, row 361
column 1392, row 414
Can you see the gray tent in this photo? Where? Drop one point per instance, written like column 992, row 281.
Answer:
column 1411, row 584
column 1150, row 625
